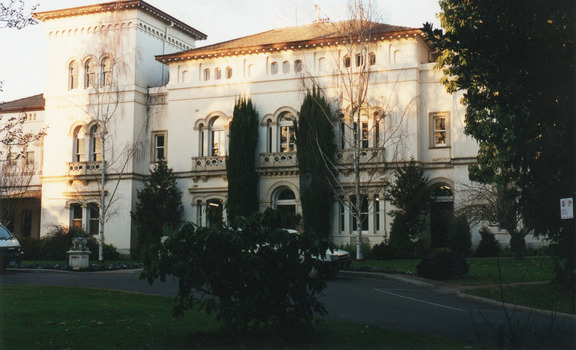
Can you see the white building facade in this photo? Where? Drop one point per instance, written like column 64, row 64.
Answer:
column 174, row 101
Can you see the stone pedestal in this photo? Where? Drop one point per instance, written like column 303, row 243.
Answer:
column 79, row 255
column 78, row 259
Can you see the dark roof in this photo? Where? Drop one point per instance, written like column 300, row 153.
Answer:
column 320, row 33
column 120, row 5
column 31, row 103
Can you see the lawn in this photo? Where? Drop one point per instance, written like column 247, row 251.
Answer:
column 482, row 270
column 35, row 317
column 494, row 271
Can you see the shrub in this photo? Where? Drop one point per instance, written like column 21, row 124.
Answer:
column 459, row 237
column 57, row 242
column 382, row 251
column 351, row 249
column 259, row 279
column 30, row 248
column 488, row 246
column 443, row 266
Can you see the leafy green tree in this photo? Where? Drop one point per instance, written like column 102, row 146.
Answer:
column 515, row 63
column 159, row 205
column 315, row 144
column 241, row 161
column 411, row 197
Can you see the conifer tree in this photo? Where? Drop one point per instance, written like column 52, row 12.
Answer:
column 159, row 205
column 315, row 145
column 241, row 160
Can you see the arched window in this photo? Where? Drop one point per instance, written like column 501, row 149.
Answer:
column 73, row 72
column 228, row 72
column 214, row 212
column 79, row 146
column 89, row 73
column 206, row 74
column 285, row 202
column 372, row 58
column 217, row 74
column 286, row 133
column 217, row 137
column 285, row 67
column 298, row 66
column 106, row 72
column 346, row 61
column 95, row 144
column 274, row 68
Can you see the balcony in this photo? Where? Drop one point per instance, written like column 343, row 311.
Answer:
column 84, row 168
column 372, row 156
column 280, row 163
column 215, row 165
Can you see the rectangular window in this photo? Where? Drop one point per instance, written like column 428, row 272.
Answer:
column 199, row 212
column 439, row 130
column 94, row 219
column 29, row 161
column 363, row 214
column 376, row 214
column 159, row 146
column 287, row 139
column 359, row 60
column 76, row 216
column 342, row 216
column 12, row 159
column 27, row 222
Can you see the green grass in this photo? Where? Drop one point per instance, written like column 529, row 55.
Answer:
column 35, row 317
column 530, row 295
column 482, row 270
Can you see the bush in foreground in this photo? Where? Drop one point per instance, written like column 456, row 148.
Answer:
column 253, row 278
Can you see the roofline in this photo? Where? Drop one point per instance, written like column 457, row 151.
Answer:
column 199, row 53
column 119, row 5
column 22, row 108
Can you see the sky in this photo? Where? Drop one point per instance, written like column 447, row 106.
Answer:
column 23, row 52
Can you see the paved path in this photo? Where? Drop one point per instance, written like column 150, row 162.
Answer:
column 394, row 302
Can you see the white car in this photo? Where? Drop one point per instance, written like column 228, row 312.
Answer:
column 10, row 250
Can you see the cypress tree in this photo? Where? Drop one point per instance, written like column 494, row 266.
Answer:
column 315, row 145
column 241, row 160
column 159, row 204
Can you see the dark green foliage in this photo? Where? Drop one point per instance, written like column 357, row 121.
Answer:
column 241, row 161
column 315, row 144
column 515, row 62
column 252, row 278
column 443, row 266
column 352, row 249
column 459, row 237
column 488, row 245
column 55, row 244
column 275, row 219
column 159, row 205
column 411, row 197
column 382, row 251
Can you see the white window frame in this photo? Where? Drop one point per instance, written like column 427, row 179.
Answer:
column 156, row 135
column 434, row 131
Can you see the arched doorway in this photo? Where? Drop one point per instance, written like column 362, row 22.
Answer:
column 441, row 214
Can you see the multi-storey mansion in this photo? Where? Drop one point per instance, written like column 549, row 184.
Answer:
column 126, row 86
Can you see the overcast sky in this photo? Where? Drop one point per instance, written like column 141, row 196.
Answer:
column 22, row 52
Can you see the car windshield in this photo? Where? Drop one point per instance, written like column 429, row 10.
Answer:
column 4, row 233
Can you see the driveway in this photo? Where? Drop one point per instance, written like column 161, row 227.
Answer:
column 385, row 303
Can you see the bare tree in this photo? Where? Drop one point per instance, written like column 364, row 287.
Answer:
column 495, row 204
column 13, row 14
column 16, row 173
column 369, row 126
column 105, row 110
